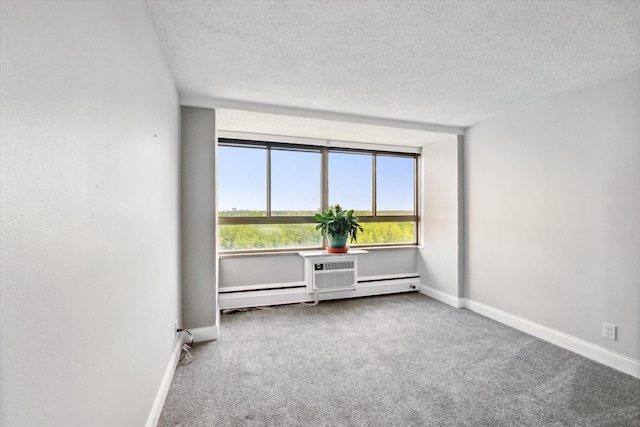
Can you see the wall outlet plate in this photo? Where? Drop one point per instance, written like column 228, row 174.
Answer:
column 609, row 331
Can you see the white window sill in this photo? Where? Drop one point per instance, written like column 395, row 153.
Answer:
column 290, row 252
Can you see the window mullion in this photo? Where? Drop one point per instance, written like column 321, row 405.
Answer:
column 374, row 208
column 268, row 182
column 324, row 186
column 415, row 187
column 324, row 171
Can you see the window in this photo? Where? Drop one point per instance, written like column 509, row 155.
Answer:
column 242, row 181
column 268, row 194
column 345, row 170
column 295, row 182
column 395, row 189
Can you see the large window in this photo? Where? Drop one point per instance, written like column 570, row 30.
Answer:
column 268, row 194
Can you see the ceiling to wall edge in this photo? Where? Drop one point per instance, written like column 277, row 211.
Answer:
column 228, row 104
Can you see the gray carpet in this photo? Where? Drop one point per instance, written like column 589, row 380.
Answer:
column 397, row 360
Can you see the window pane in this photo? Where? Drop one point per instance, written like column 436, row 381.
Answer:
column 395, row 185
column 350, row 177
column 242, row 181
column 295, row 183
column 272, row 236
column 387, row 232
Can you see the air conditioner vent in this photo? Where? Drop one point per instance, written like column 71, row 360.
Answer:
column 338, row 265
column 334, row 279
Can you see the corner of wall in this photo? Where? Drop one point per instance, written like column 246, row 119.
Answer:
column 461, row 219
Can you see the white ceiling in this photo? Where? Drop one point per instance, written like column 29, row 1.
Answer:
column 441, row 62
column 337, row 131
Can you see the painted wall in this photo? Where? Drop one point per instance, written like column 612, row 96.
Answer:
column 89, row 201
column 382, row 262
column 287, row 268
column 440, row 259
column 261, row 269
column 553, row 213
column 199, row 257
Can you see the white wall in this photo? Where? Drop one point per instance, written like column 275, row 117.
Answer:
column 89, row 201
column 261, row 270
column 382, row 262
column 248, row 270
column 440, row 259
column 553, row 213
column 199, row 223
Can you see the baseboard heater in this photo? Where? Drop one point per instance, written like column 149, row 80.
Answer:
column 277, row 295
column 275, row 287
column 416, row 277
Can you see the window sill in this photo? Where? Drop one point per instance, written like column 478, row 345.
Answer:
column 289, row 252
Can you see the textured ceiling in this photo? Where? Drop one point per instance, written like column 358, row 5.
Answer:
column 443, row 62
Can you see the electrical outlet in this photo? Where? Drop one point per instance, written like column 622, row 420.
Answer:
column 609, row 331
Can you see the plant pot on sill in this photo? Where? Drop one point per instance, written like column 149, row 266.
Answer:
column 337, row 244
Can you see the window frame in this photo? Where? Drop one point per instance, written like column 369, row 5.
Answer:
column 324, row 194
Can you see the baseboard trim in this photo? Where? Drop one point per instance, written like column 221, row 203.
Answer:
column 207, row 333
column 584, row 348
column 618, row 361
column 442, row 296
column 232, row 300
column 161, row 396
column 217, row 334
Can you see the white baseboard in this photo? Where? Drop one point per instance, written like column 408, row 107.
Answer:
column 206, row 333
column 232, row 300
column 217, row 321
column 442, row 296
column 584, row 348
column 158, row 403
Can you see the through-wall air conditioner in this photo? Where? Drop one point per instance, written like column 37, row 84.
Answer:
column 332, row 273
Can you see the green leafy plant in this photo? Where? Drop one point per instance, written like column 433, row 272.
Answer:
column 339, row 223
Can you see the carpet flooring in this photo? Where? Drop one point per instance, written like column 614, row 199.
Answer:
column 395, row 360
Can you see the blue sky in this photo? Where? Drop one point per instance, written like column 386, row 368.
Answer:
column 295, row 180
column 350, row 181
column 242, row 178
column 395, row 183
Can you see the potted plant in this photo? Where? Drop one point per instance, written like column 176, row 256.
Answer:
column 338, row 226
